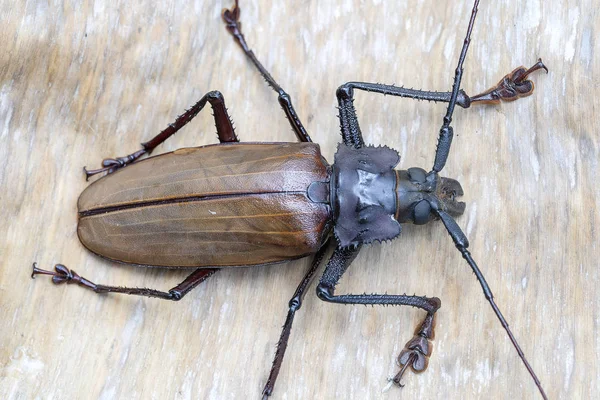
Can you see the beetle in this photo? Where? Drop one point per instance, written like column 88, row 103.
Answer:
column 238, row 204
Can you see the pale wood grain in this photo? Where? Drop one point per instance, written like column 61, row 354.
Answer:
column 83, row 81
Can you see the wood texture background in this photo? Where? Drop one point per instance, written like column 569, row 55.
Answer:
column 80, row 81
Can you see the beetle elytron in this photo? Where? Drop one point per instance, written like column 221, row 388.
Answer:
column 235, row 204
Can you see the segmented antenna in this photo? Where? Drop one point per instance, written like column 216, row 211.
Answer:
column 446, row 131
column 458, row 237
column 461, row 243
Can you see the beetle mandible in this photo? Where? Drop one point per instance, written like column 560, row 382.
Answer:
column 262, row 203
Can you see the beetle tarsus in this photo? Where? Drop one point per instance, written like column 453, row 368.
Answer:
column 512, row 87
column 231, row 17
column 415, row 354
column 63, row 274
column 110, row 165
column 416, row 351
column 39, row 271
column 66, row 275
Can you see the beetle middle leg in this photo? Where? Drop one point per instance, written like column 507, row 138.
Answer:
column 64, row 275
column 234, row 26
column 225, row 132
column 416, row 352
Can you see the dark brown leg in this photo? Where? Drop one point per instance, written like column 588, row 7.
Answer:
column 513, row 86
column 65, row 275
column 234, row 26
column 223, row 123
column 416, row 352
column 294, row 305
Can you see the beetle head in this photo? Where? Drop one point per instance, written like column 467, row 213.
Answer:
column 419, row 192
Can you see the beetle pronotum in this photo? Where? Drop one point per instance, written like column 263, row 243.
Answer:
column 235, row 204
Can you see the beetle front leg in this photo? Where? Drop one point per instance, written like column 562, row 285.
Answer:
column 64, row 275
column 512, row 87
column 351, row 132
column 416, row 352
column 223, row 123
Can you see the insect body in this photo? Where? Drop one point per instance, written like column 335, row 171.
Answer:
column 236, row 204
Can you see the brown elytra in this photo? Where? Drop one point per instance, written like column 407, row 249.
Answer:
column 220, row 205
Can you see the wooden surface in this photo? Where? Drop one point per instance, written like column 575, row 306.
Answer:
column 80, row 81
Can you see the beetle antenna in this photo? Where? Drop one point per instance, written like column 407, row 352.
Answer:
column 461, row 242
column 446, row 131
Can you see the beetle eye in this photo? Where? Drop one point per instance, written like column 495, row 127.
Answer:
column 421, row 213
column 417, row 174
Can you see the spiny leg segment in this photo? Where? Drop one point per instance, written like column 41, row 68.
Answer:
column 416, row 351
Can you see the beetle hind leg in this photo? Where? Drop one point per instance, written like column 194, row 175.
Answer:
column 293, row 306
column 62, row 274
column 225, row 132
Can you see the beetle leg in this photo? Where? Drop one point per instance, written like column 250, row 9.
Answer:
column 64, row 275
column 512, row 87
column 416, row 351
column 223, row 123
column 234, row 26
column 351, row 133
column 294, row 305
column 349, row 121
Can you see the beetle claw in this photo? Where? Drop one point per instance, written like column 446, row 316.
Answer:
column 39, row 271
column 397, row 379
column 90, row 173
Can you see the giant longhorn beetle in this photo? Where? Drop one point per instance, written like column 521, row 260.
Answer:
column 236, row 204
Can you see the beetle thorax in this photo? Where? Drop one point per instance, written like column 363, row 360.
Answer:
column 364, row 195
column 371, row 198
